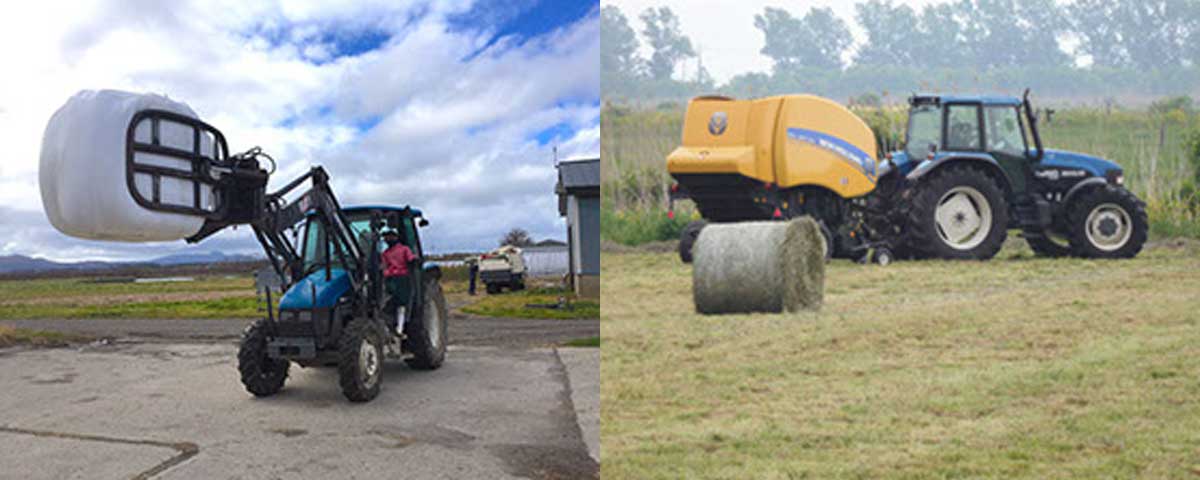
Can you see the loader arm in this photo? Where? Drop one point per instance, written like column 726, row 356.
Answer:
column 277, row 216
column 238, row 195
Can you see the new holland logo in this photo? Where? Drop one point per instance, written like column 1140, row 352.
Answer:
column 1056, row 173
column 717, row 123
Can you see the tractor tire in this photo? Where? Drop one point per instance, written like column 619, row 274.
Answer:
column 830, row 243
column 958, row 214
column 687, row 239
column 1044, row 246
column 493, row 288
column 261, row 375
column 360, row 360
column 427, row 336
column 1107, row 222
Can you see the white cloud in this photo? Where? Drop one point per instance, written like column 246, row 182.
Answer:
column 456, row 118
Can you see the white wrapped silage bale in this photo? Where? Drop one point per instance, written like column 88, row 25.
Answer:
column 82, row 170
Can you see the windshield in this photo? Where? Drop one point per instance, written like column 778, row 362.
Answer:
column 924, row 129
column 1004, row 130
column 314, row 242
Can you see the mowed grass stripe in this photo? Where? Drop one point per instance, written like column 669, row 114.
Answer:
column 1017, row 367
column 206, row 297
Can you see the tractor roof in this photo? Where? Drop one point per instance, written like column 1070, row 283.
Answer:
column 984, row 99
column 387, row 208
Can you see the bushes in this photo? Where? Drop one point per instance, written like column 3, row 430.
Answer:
column 641, row 225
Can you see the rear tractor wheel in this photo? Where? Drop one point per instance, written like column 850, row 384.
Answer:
column 427, row 334
column 687, row 239
column 960, row 213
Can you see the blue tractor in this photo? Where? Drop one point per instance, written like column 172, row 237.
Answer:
column 338, row 314
column 335, row 309
column 973, row 167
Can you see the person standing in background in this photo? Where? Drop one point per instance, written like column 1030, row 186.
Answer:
column 472, row 272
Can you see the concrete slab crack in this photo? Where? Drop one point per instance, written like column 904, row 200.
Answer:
column 184, row 450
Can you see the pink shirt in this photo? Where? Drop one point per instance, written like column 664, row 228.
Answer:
column 395, row 260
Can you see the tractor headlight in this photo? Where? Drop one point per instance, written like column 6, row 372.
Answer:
column 1115, row 177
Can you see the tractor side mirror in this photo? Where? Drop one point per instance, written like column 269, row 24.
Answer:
column 423, row 222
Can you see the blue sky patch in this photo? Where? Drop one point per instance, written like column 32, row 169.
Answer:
column 522, row 19
column 560, row 131
column 341, row 41
column 367, row 123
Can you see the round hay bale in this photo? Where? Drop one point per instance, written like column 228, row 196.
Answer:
column 759, row 267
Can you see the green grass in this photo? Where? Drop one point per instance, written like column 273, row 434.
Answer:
column 207, row 297
column 637, row 226
column 234, row 307
column 1014, row 368
column 12, row 290
column 20, row 336
column 514, row 305
column 583, row 342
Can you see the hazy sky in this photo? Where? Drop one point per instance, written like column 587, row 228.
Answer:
column 453, row 106
column 723, row 30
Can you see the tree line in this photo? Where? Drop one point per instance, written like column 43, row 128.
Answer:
column 1146, row 47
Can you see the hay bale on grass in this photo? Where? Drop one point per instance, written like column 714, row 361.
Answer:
column 759, row 267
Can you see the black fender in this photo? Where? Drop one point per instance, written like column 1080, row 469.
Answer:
column 982, row 161
column 1084, row 184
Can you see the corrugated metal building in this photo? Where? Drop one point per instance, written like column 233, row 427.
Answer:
column 578, row 191
column 546, row 259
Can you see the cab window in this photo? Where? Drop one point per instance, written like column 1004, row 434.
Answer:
column 314, row 247
column 924, row 130
column 1004, row 130
column 962, row 127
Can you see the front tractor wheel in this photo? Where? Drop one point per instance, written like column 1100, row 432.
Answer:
column 261, row 375
column 960, row 213
column 360, row 361
column 1107, row 222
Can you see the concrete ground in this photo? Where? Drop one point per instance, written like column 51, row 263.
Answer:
column 583, row 372
column 174, row 408
column 464, row 329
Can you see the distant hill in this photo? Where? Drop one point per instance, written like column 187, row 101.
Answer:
column 23, row 264
column 202, row 257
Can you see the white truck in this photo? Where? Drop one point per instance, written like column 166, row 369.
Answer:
column 502, row 267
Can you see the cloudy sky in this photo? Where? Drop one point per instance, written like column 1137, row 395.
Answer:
column 451, row 106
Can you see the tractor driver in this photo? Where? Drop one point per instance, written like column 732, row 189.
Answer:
column 396, row 260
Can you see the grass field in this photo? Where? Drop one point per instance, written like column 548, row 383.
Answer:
column 207, row 297
column 1017, row 367
column 516, row 305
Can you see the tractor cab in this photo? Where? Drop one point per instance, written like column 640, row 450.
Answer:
column 980, row 160
column 999, row 129
column 326, row 268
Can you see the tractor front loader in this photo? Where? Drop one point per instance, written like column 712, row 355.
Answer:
column 334, row 308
